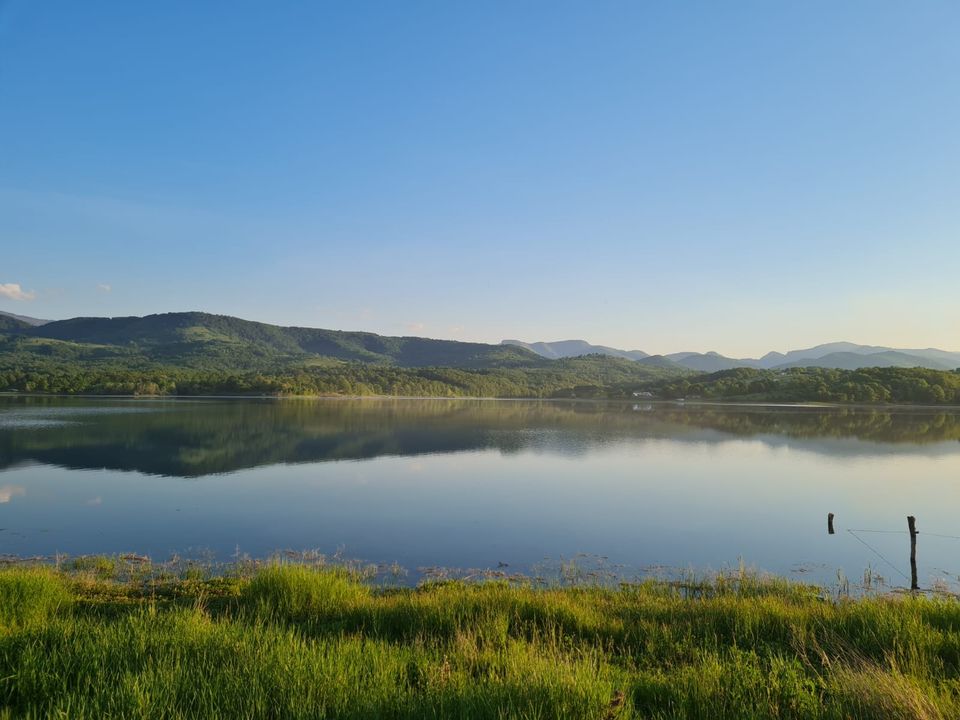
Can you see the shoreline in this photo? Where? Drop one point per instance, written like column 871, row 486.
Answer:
column 581, row 571
column 810, row 405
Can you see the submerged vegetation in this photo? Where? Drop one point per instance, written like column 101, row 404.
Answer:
column 291, row 641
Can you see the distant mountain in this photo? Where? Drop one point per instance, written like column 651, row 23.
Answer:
column 700, row 362
column 777, row 359
column 659, row 361
column 836, row 355
column 575, row 348
column 22, row 318
column 202, row 339
column 839, row 355
column 708, row 362
column 853, row 361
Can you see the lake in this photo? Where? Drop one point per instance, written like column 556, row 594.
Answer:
column 635, row 487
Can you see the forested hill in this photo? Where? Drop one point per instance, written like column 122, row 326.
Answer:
column 864, row 385
column 198, row 353
column 9, row 324
column 202, row 340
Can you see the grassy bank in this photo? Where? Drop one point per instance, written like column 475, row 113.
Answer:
column 294, row 642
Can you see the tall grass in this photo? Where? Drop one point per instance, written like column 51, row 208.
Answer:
column 30, row 596
column 293, row 642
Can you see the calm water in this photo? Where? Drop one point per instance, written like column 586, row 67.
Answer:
column 471, row 484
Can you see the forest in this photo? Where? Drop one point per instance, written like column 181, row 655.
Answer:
column 588, row 377
column 866, row 385
column 203, row 354
column 593, row 376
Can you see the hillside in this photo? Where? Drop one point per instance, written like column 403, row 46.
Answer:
column 200, row 354
column 194, row 339
column 812, row 384
column 31, row 321
column 9, row 323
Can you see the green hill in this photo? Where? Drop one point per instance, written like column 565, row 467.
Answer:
column 8, row 323
column 195, row 339
column 202, row 354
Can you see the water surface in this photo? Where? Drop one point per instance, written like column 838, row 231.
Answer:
column 479, row 484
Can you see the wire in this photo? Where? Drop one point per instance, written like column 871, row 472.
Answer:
column 878, row 554
column 891, row 532
column 905, row 532
column 928, row 534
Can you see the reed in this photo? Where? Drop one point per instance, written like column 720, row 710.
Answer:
column 289, row 641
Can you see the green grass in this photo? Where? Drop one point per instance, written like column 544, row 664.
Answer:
column 295, row 642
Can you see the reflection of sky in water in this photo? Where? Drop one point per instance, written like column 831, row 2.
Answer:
column 41, row 417
column 8, row 492
column 698, row 498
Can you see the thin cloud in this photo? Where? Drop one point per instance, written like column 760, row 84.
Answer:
column 13, row 291
column 416, row 327
column 104, row 288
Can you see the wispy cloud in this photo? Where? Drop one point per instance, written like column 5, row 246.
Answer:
column 13, row 291
column 416, row 327
column 104, row 288
column 8, row 492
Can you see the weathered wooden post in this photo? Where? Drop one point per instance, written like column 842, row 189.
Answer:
column 912, row 527
column 830, row 523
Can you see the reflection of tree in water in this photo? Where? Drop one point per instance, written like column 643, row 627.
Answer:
column 919, row 426
column 194, row 438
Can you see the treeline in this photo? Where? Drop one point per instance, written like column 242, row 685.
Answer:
column 867, row 385
column 584, row 377
column 326, row 381
column 330, row 378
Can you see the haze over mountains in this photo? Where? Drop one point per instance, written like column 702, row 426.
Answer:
column 574, row 348
column 839, row 355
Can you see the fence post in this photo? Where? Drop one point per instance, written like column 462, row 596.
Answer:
column 912, row 527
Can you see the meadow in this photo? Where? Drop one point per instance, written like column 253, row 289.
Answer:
column 95, row 639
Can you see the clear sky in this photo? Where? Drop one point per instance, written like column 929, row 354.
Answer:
column 730, row 176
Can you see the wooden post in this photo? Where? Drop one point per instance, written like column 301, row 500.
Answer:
column 830, row 523
column 912, row 527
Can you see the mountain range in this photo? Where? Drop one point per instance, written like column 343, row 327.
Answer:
column 202, row 339
column 839, row 355
column 196, row 339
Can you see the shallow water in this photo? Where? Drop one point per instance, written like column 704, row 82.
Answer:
column 477, row 484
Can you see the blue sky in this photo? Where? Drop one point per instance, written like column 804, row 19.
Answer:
column 739, row 176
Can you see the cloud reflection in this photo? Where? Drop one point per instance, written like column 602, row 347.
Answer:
column 8, row 492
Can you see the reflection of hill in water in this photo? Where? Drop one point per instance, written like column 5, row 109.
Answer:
column 194, row 438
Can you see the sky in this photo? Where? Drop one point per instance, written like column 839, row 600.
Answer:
column 738, row 176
